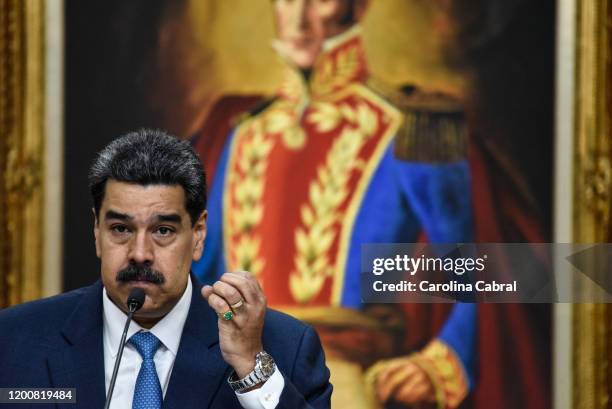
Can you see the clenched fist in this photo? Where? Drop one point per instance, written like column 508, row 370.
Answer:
column 238, row 296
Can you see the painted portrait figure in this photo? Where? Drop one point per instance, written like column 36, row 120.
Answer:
column 362, row 133
column 336, row 159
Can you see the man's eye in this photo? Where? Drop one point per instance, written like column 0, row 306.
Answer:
column 164, row 231
column 121, row 229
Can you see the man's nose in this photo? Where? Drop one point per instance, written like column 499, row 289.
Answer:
column 141, row 249
column 301, row 8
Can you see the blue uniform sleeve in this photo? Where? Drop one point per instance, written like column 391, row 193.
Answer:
column 440, row 195
column 459, row 332
column 212, row 264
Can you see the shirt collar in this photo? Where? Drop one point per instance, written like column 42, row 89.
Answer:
column 168, row 330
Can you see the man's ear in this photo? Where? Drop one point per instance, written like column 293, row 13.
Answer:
column 96, row 232
column 199, row 234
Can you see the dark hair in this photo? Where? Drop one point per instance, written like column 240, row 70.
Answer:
column 150, row 157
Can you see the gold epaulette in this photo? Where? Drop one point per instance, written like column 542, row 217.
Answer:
column 434, row 126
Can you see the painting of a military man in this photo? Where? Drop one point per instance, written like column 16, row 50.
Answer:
column 336, row 159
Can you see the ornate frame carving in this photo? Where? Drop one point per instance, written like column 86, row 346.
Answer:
column 22, row 136
column 592, row 323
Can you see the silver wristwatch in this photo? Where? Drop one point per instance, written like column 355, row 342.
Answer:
column 264, row 368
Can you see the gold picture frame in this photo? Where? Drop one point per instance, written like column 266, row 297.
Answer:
column 22, row 143
column 592, row 323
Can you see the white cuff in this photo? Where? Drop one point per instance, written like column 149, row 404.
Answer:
column 267, row 396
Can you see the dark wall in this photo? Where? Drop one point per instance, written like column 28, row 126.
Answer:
column 507, row 49
column 108, row 46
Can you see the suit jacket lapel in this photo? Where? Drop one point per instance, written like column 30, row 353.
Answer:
column 199, row 369
column 80, row 363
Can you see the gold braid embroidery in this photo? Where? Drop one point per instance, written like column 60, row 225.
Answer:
column 329, row 77
column 446, row 372
column 441, row 365
column 326, row 193
column 247, row 185
column 331, row 73
column 282, row 119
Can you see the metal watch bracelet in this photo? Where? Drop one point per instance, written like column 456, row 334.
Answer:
column 264, row 368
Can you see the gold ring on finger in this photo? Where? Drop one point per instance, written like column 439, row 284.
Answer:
column 237, row 305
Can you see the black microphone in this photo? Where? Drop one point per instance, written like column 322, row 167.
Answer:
column 135, row 300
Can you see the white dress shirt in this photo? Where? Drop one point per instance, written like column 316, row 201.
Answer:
column 168, row 330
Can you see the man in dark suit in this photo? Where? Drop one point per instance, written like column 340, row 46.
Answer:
column 189, row 346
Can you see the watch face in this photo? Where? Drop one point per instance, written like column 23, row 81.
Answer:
column 267, row 364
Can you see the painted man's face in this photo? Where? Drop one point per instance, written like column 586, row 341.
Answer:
column 303, row 25
column 145, row 238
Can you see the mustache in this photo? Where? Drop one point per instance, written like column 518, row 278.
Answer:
column 140, row 272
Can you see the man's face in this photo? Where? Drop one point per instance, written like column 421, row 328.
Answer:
column 303, row 25
column 144, row 238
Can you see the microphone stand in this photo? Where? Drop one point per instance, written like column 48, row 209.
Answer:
column 132, row 307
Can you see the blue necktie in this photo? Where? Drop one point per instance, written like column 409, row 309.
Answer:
column 148, row 392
